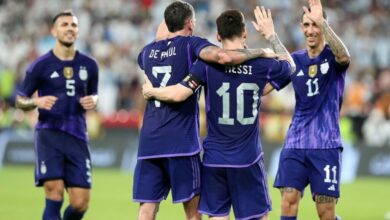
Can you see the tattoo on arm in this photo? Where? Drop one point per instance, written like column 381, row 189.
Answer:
column 25, row 103
column 335, row 43
column 321, row 199
column 286, row 189
column 210, row 54
column 281, row 50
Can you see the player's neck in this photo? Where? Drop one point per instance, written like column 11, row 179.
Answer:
column 233, row 44
column 183, row 32
column 64, row 53
column 315, row 51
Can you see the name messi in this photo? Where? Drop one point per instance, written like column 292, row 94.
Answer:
column 239, row 69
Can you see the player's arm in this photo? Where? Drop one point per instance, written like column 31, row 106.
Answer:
column 162, row 31
column 338, row 48
column 267, row 89
column 89, row 102
column 174, row 93
column 26, row 103
column 265, row 26
column 90, row 99
column 215, row 54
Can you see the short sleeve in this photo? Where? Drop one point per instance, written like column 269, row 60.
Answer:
column 140, row 59
column 30, row 82
column 93, row 81
column 198, row 43
column 279, row 74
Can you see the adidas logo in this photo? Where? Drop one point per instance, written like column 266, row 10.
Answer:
column 300, row 73
column 54, row 75
column 332, row 188
column 169, row 43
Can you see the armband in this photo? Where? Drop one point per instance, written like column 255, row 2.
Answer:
column 192, row 82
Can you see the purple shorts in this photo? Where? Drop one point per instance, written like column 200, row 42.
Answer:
column 60, row 155
column 243, row 188
column 318, row 167
column 153, row 178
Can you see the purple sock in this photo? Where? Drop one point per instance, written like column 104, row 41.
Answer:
column 72, row 214
column 52, row 210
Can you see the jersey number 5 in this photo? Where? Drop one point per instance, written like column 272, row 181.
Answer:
column 223, row 92
column 70, row 87
column 166, row 71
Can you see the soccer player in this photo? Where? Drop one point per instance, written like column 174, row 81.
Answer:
column 312, row 150
column 66, row 82
column 169, row 145
column 233, row 169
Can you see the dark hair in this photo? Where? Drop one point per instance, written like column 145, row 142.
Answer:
column 230, row 24
column 323, row 14
column 63, row 13
column 176, row 14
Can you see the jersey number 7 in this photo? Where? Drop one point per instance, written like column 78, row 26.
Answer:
column 166, row 71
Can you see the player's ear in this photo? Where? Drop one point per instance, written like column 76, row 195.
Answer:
column 219, row 38
column 244, row 34
column 53, row 31
column 301, row 26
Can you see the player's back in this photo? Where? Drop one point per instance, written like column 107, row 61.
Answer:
column 232, row 107
column 319, row 85
column 170, row 129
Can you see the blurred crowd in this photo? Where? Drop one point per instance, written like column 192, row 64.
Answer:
column 115, row 31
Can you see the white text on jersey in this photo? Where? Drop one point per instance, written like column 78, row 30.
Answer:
column 162, row 54
column 239, row 69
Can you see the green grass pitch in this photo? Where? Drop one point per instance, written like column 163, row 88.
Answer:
column 365, row 199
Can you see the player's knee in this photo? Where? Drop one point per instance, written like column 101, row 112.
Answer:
column 148, row 211
column 326, row 207
column 79, row 204
column 191, row 209
column 54, row 190
column 290, row 200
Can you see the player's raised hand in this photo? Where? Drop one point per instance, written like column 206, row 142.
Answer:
column 264, row 23
column 162, row 31
column 315, row 14
column 89, row 102
column 146, row 88
column 45, row 102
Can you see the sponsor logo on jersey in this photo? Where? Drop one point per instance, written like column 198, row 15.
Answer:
column 68, row 72
column 300, row 73
column 54, row 75
column 332, row 188
column 313, row 70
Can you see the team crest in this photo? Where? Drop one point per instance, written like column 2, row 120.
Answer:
column 324, row 68
column 68, row 72
column 83, row 73
column 43, row 167
column 313, row 70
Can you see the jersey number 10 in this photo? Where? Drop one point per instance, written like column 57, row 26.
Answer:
column 224, row 93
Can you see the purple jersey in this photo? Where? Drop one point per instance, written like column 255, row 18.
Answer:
column 232, row 107
column 170, row 129
column 68, row 81
column 319, row 88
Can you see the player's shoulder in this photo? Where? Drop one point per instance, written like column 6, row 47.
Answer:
column 262, row 62
column 41, row 61
column 86, row 57
column 299, row 53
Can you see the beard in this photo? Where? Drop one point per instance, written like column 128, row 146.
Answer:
column 66, row 44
